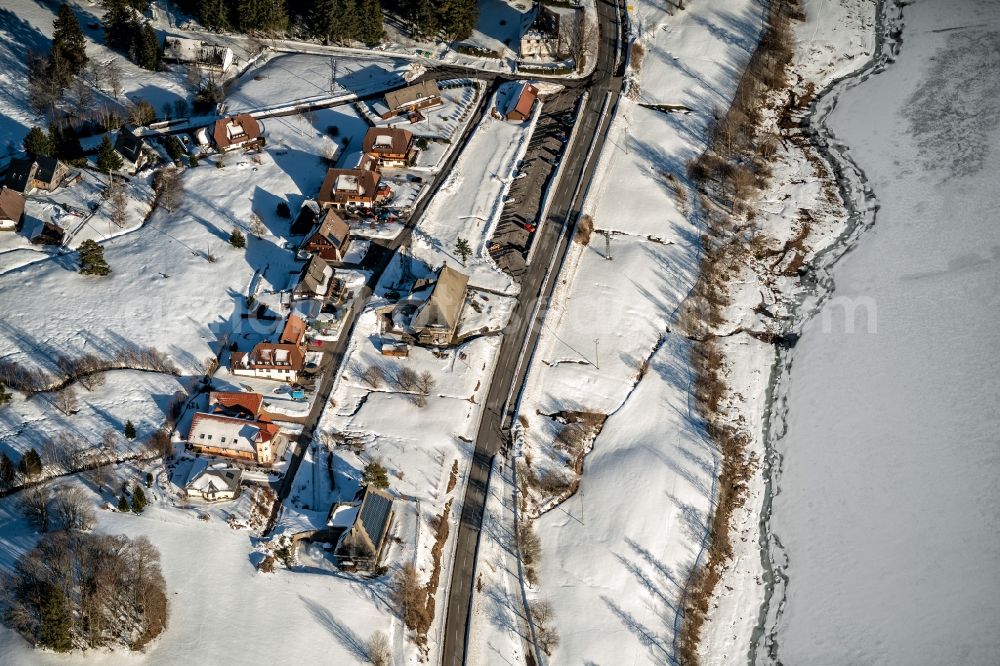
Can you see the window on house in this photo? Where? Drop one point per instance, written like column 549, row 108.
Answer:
column 201, row 436
column 223, row 440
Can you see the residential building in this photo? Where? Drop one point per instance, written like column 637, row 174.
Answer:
column 331, row 239
column 388, row 146
column 522, row 107
column 317, row 280
column 239, row 404
column 11, row 209
column 418, row 96
column 269, row 360
column 232, row 437
column 436, row 320
column 545, row 38
column 343, row 188
column 209, row 56
column 362, row 543
column 129, row 147
column 294, row 332
column 44, row 173
column 216, row 483
column 239, row 131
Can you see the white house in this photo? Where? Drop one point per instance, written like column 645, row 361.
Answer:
column 217, row 483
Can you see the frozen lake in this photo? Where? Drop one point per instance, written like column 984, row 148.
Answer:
column 889, row 503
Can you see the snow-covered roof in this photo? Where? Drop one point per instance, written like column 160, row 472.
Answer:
column 216, row 478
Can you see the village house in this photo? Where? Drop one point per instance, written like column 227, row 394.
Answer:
column 389, row 146
column 410, row 99
column 344, row 188
column 43, row 173
column 436, row 320
column 306, row 218
column 240, row 131
column 331, row 239
column 317, row 281
column 521, row 109
column 208, row 56
column 238, row 404
column 216, row 483
column 281, row 361
column 11, row 209
column 544, row 39
column 129, row 147
column 367, row 526
column 232, row 437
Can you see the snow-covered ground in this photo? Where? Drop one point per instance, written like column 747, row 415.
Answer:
column 624, row 544
column 219, row 605
column 289, row 79
column 888, row 492
column 469, row 203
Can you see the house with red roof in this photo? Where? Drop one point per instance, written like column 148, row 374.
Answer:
column 525, row 103
column 343, row 188
column 240, row 131
column 255, row 440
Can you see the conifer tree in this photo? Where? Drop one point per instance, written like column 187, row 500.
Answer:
column 148, row 47
column 67, row 40
column 107, row 158
column 30, row 465
column 129, row 429
column 38, row 142
column 138, row 500
column 122, row 504
column 7, row 471
column 55, row 621
column 237, row 239
column 213, row 14
column 92, row 259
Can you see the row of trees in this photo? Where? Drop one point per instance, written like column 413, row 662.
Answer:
column 336, row 20
column 78, row 589
column 125, row 31
column 29, row 467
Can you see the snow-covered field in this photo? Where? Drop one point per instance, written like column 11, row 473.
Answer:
column 888, row 494
column 287, row 79
column 469, row 203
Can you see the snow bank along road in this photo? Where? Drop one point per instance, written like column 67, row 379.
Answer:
column 522, row 331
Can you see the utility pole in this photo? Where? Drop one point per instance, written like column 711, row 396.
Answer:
column 607, row 245
column 333, row 74
column 597, row 353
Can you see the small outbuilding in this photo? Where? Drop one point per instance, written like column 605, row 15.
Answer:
column 522, row 107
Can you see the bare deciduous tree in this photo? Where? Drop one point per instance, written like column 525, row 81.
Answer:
column 257, row 226
column 65, row 400
column 373, row 375
column 117, row 202
column 113, row 75
column 168, row 187
column 73, row 510
column 377, row 649
column 34, row 505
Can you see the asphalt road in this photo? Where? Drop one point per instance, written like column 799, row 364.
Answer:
column 521, row 333
column 376, row 261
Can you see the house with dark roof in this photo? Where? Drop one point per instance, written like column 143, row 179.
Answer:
column 524, row 104
column 240, row 131
column 331, row 239
column 363, row 542
column 42, row 172
column 306, row 218
column 388, row 146
column 412, row 98
column 317, row 280
column 436, row 320
column 129, row 147
column 343, row 188
column 11, row 209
